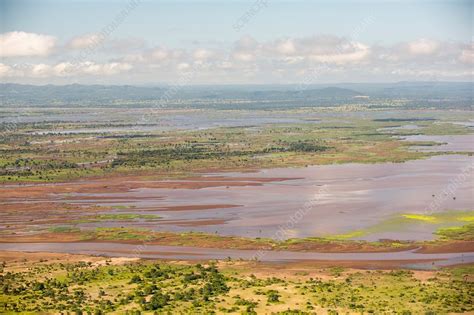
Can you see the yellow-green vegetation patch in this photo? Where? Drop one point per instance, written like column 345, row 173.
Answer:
column 63, row 229
column 421, row 217
column 347, row 236
column 465, row 233
column 401, row 222
column 111, row 233
column 449, row 216
column 466, row 218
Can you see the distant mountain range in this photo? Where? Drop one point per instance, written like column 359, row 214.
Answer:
column 112, row 94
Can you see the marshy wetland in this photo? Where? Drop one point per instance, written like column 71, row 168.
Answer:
column 357, row 189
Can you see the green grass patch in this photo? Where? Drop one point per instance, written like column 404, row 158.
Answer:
column 465, row 233
column 63, row 229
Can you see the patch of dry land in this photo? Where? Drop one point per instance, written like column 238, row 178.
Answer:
column 53, row 283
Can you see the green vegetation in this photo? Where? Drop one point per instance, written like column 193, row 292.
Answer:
column 465, row 233
column 63, row 229
column 37, row 157
column 156, row 287
column 335, row 243
column 443, row 221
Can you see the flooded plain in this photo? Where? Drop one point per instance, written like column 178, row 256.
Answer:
column 333, row 199
column 275, row 203
column 456, row 143
column 404, row 258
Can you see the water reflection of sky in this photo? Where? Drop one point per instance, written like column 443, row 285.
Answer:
column 356, row 196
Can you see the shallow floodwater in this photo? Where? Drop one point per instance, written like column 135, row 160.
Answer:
column 457, row 143
column 327, row 200
column 195, row 253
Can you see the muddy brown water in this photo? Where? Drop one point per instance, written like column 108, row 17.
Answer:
column 323, row 200
column 406, row 258
column 330, row 199
column 447, row 143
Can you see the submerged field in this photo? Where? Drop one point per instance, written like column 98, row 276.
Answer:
column 239, row 180
column 278, row 186
column 61, row 151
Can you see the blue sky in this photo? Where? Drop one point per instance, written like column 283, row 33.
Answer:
column 261, row 41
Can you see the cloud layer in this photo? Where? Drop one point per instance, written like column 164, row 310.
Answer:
column 20, row 44
column 63, row 69
column 319, row 58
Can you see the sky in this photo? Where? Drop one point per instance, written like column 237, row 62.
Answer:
column 234, row 42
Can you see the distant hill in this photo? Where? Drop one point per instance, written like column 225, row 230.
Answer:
column 76, row 92
column 420, row 95
column 109, row 93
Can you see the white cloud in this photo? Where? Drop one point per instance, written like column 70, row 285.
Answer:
column 160, row 54
column 423, row 46
column 20, row 44
column 85, row 41
column 244, row 56
column 5, row 70
column 157, row 56
column 467, row 55
column 286, row 47
column 112, row 68
column 319, row 49
column 203, row 54
column 183, row 66
column 63, row 69
column 420, row 50
column 288, row 59
column 347, row 53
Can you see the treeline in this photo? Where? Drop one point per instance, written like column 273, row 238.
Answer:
column 199, row 151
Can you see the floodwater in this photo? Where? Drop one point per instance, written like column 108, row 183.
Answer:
column 456, row 143
column 195, row 253
column 326, row 200
column 133, row 121
column 314, row 201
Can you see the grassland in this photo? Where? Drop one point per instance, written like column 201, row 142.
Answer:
column 84, row 285
column 29, row 156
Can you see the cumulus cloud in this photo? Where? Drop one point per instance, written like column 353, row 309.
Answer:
column 5, row 70
column 420, row 50
column 423, row 46
column 293, row 59
column 347, row 53
column 85, row 41
column 467, row 55
column 203, row 54
column 63, row 69
column 319, row 49
column 286, row 47
column 157, row 56
column 21, row 44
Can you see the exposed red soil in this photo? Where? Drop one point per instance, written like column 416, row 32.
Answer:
column 208, row 241
column 448, row 247
column 123, row 184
